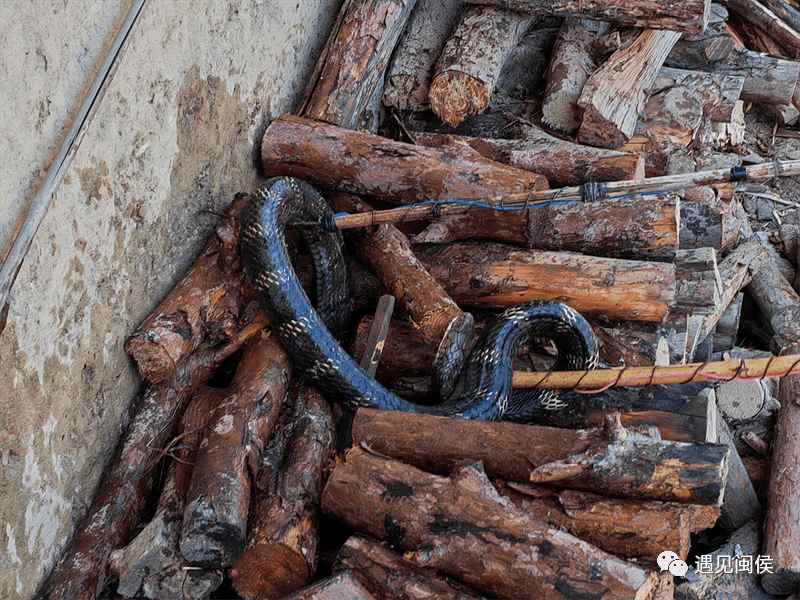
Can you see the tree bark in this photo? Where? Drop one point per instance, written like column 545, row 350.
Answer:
column 461, row 526
column 467, row 70
column 615, row 95
column 339, row 586
column 82, row 569
column 281, row 551
column 689, row 16
column 218, row 498
column 392, row 171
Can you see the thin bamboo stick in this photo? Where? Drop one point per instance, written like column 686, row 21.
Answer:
column 602, row 379
column 602, row 191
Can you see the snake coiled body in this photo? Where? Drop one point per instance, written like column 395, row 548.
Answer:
column 484, row 388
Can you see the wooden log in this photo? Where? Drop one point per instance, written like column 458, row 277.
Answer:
column 767, row 80
column 492, row 275
column 376, row 338
column 562, row 162
column 388, row 252
column 461, row 526
column 281, row 551
column 777, row 300
column 391, row 171
column 82, row 569
column 218, row 499
column 410, row 74
column 718, row 91
column 740, row 503
column 203, row 306
column 151, row 565
column 651, row 227
column 574, row 58
column 467, row 70
column 353, row 63
column 689, row 16
column 615, row 94
column 756, row 13
column 781, row 534
column 704, row 49
column 388, row 577
column 339, row 586
column 639, row 529
column 695, row 473
column 785, row 11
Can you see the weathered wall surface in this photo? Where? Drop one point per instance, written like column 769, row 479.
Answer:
column 175, row 136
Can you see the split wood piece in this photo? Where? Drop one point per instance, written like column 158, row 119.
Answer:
column 651, row 227
column 580, row 459
column 392, row 171
column 388, row 577
column 740, row 503
column 702, row 50
column 691, row 16
column 373, row 346
column 778, row 301
column 151, row 565
column 466, row 73
column 83, row 567
column 352, row 65
column 781, row 534
column 756, row 13
column 490, row 275
column 767, row 80
column 410, row 74
column 615, row 94
column 388, row 252
column 720, row 575
column 462, row 526
column 574, row 58
column 562, row 162
column 215, row 519
column 339, row 586
column 203, row 307
column 639, row 529
column 281, row 551
column 719, row 91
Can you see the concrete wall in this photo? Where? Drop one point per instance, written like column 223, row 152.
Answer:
column 176, row 135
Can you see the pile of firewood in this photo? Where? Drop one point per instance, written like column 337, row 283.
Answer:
column 583, row 505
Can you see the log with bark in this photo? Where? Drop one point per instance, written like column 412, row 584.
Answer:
column 589, row 459
column 493, row 275
column 388, row 577
column 563, row 162
column 339, row 586
column 82, row 569
column 639, row 529
column 410, row 74
column 151, row 564
column 218, row 499
column 691, row 16
column 392, row 171
column 463, row 527
column 469, row 65
column 781, row 534
column 755, row 13
column 767, row 79
column 575, row 56
column 615, row 94
column 351, row 69
column 703, row 50
column 281, row 551
column 202, row 307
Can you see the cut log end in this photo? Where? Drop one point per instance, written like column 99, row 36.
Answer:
column 454, row 96
column 153, row 361
column 269, row 571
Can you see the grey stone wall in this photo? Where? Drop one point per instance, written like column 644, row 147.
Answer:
column 175, row 136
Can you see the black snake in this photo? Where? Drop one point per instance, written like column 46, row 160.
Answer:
column 484, row 388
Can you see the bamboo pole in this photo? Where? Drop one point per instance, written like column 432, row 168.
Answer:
column 602, row 379
column 601, row 191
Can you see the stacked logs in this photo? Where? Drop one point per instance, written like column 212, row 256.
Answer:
column 581, row 504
